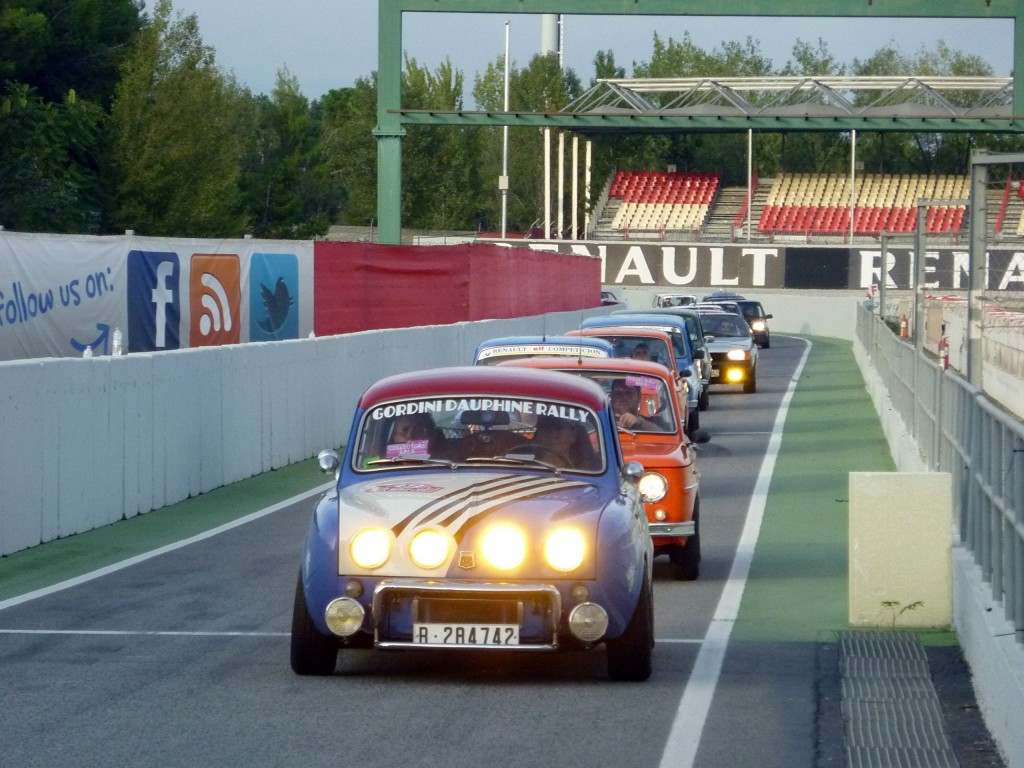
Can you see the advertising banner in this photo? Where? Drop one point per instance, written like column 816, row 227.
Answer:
column 63, row 294
column 820, row 267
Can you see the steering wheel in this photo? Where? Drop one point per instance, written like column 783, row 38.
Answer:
column 563, row 460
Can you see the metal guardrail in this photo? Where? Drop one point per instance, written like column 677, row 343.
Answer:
column 959, row 430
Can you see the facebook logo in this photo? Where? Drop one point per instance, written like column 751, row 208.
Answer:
column 154, row 301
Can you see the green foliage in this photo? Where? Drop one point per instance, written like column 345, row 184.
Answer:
column 48, row 157
column 175, row 144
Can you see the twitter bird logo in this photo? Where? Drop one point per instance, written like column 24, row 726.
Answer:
column 277, row 303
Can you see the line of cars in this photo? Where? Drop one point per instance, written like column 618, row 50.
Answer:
column 517, row 504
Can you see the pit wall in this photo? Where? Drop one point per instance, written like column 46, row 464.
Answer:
column 90, row 441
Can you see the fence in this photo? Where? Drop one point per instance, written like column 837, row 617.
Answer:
column 957, row 429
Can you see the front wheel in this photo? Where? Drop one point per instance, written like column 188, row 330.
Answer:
column 312, row 653
column 686, row 559
column 705, row 398
column 629, row 655
column 750, row 385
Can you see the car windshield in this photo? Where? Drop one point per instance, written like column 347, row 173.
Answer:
column 641, row 403
column 725, row 325
column 478, row 430
column 642, row 348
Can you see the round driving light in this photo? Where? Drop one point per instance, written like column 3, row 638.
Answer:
column 735, row 374
column 504, row 547
column 429, row 549
column 660, row 514
column 344, row 616
column 653, row 486
column 371, row 548
column 565, row 550
column 580, row 593
column 588, row 622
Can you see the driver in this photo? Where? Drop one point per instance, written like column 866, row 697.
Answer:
column 626, row 406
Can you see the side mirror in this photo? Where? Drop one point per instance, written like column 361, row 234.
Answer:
column 767, row 317
column 633, row 471
column 686, row 373
column 328, row 460
column 708, row 338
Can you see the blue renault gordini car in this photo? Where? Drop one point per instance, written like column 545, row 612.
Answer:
column 479, row 508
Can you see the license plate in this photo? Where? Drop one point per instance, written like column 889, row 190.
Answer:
column 714, row 372
column 493, row 635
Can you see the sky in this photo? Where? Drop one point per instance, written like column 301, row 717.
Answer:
column 329, row 44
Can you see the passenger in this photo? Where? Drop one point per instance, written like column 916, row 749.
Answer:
column 626, row 406
column 564, row 443
column 641, row 351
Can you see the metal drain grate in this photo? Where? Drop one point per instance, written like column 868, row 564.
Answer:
column 891, row 713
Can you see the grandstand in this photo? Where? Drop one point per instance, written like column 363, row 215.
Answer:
column 692, row 205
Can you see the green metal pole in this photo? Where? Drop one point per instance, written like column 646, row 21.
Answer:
column 389, row 131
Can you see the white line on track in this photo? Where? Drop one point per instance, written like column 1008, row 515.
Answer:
column 684, row 737
column 161, row 551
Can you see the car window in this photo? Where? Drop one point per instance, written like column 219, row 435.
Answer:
column 725, row 326
column 478, row 430
column 645, row 397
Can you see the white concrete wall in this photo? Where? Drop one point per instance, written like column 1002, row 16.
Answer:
column 87, row 442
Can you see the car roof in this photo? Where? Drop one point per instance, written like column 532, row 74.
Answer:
column 625, row 330
column 613, row 364
column 543, row 344
column 486, row 380
column 632, row 319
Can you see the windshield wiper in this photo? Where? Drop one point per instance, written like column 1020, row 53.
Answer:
column 418, row 460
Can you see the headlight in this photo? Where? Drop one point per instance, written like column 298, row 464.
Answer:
column 429, row 549
column 371, row 548
column 758, row 325
column 737, row 354
column 565, row 550
column 504, row 547
column 653, row 486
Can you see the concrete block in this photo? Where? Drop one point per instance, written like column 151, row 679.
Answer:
column 900, row 550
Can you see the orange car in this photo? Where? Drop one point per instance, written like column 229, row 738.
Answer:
column 644, row 344
column 647, row 410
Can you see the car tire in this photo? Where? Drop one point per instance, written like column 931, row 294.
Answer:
column 705, row 399
column 693, row 422
column 686, row 559
column 312, row 653
column 629, row 655
column 767, row 342
column 750, row 385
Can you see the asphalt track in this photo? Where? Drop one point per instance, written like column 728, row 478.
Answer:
column 163, row 640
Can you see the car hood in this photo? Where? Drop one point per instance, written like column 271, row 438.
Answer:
column 724, row 345
column 462, row 504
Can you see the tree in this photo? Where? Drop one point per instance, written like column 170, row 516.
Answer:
column 286, row 184
column 350, row 149
column 175, row 135
column 48, row 160
column 440, row 168
column 59, row 63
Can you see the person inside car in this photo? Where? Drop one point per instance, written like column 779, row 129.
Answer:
column 626, row 405
column 641, row 352
column 564, row 443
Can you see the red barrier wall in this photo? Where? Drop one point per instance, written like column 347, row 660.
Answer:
column 361, row 286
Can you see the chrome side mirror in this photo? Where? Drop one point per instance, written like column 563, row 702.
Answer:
column 633, row 470
column 328, row 460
